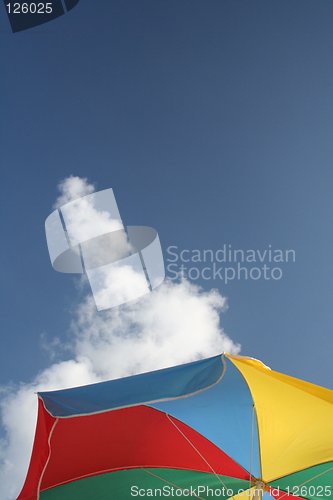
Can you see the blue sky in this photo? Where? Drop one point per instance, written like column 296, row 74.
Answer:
column 212, row 121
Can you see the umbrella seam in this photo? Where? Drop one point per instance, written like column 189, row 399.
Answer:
column 168, row 482
column 48, row 459
column 121, row 469
column 307, row 481
column 301, row 470
column 255, row 410
column 194, row 447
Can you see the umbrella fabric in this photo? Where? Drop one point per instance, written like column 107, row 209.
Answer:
column 223, row 427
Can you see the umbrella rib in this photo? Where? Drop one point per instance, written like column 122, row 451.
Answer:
column 251, row 448
column 198, row 452
column 308, row 480
column 169, row 482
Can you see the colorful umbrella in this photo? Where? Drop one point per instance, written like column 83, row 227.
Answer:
column 223, row 427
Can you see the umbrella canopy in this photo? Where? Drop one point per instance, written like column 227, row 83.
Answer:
column 222, row 427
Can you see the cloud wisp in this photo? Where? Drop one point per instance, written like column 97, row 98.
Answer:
column 176, row 323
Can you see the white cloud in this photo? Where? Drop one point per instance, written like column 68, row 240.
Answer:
column 117, row 283
column 71, row 188
column 176, row 323
column 84, row 221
